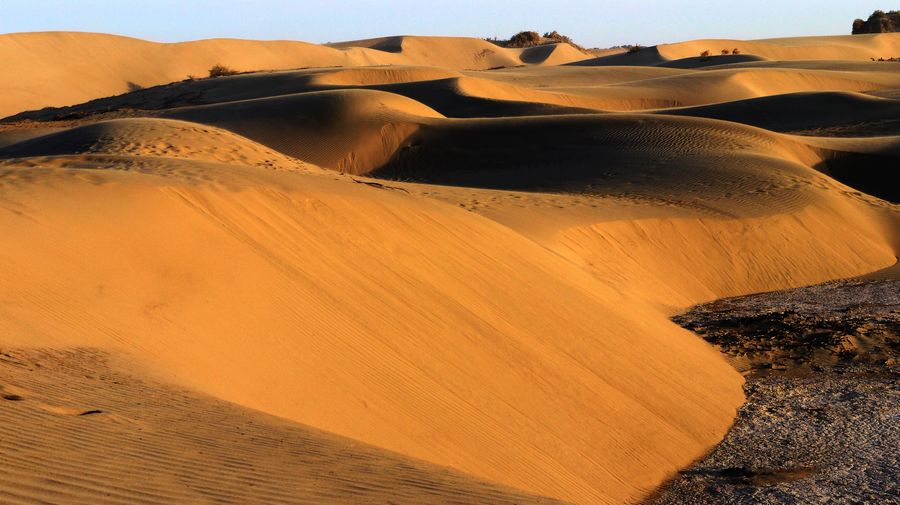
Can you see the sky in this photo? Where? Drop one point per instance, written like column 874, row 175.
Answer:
column 591, row 23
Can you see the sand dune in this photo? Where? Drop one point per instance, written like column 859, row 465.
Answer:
column 150, row 138
column 799, row 111
column 148, row 447
column 351, row 338
column 444, row 90
column 836, row 47
column 724, row 85
column 351, row 131
column 57, row 68
column 466, row 53
column 452, row 284
column 598, row 151
column 687, row 54
column 571, row 76
column 520, row 91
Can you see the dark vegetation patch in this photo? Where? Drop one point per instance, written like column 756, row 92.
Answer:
column 878, row 22
column 530, row 39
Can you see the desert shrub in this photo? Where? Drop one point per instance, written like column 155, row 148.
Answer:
column 635, row 48
column 878, row 22
column 221, row 70
column 525, row 39
column 725, row 51
column 705, row 54
column 735, row 51
column 531, row 39
column 557, row 37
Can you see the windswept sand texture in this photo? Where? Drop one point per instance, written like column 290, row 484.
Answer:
column 452, row 284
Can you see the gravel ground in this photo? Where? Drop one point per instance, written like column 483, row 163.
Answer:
column 822, row 418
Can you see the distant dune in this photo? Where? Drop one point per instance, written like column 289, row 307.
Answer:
column 835, row 47
column 58, row 68
column 451, row 284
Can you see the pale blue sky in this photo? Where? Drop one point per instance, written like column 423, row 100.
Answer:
column 591, row 23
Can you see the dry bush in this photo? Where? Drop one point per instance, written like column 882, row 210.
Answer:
column 555, row 36
column 531, row 39
column 878, row 22
column 725, row 51
column 221, row 71
column 705, row 54
column 735, row 51
column 524, row 39
column 635, row 48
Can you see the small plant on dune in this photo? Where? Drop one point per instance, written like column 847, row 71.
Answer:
column 635, row 48
column 704, row 55
column 735, row 51
column 725, row 51
column 221, row 71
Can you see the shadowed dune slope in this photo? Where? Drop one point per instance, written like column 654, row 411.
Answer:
column 810, row 110
column 569, row 76
column 551, row 54
column 699, row 62
column 673, row 159
column 474, row 97
column 646, row 56
column 868, row 164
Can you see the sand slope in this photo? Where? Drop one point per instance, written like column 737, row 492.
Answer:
column 119, row 438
